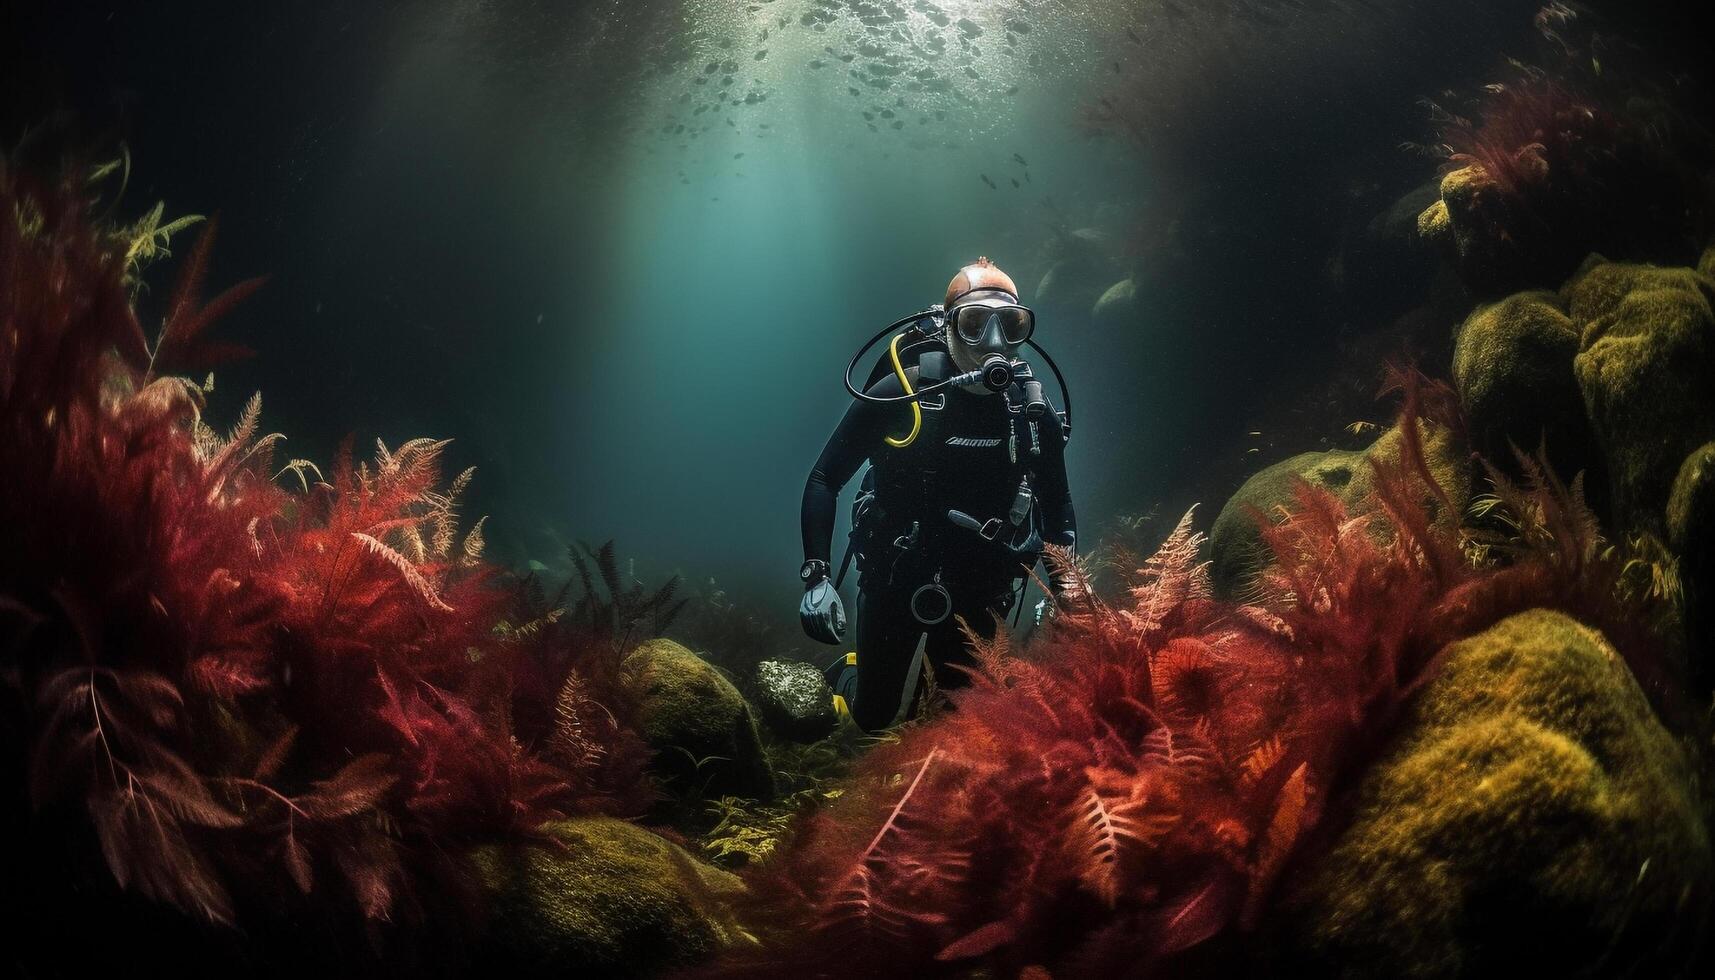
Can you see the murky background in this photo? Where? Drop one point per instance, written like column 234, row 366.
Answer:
column 621, row 251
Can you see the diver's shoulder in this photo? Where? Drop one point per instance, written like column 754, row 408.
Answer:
column 888, row 385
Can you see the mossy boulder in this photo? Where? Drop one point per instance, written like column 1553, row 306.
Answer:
column 605, row 898
column 1512, row 368
column 1533, row 819
column 1646, row 355
column 1691, row 535
column 1491, row 249
column 703, row 730
column 1236, row 549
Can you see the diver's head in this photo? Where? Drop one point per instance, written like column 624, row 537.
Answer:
column 984, row 318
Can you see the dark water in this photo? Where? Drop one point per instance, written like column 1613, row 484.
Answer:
column 483, row 221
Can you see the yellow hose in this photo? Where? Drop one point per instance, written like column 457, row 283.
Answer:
column 900, row 442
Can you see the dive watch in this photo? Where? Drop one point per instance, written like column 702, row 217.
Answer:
column 812, row 571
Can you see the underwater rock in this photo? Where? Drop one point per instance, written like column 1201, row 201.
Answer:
column 1534, row 818
column 795, row 700
column 1691, row 535
column 1235, row 543
column 613, row 900
column 1512, row 368
column 701, row 727
column 1118, row 302
column 1646, row 354
column 1492, row 251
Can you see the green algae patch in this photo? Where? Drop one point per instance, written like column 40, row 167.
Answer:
column 1235, row 544
column 605, row 899
column 1646, row 354
column 1533, row 816
column 703, row 730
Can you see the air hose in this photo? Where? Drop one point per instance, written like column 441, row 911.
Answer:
column 900, row 442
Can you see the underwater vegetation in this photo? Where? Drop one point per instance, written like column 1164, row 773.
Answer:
column 1586, row 151
column 1121, row 798
column 246, row 695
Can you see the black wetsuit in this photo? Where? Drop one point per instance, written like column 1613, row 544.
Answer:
column 972, row 454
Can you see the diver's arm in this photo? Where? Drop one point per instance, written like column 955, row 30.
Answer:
column 860, row 432
column 1054, row 496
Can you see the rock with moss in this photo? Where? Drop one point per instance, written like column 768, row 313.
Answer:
column 1646, row 356
column 1493, row 249
column 703, row 730
column 601, row 898
column 1533, row 818
column 1512, row 368
column 1235, row 541
column 1691, row 535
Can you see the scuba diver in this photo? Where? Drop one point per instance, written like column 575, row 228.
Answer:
column 967, row 482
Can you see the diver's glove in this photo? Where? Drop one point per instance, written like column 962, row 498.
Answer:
column 821, row 612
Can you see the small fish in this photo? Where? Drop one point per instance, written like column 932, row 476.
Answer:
column 1116, row 68
column 989, row 182
column 1020, row 160
column 738, row 156
column 899, row 124
column 851, row 90
column 1255, row 432
column 1015, row 182
column 1027, row 177
column 1361, row 428
column 1011, row 90
column 818, row 63
column 1252, row 450
column 761, row 54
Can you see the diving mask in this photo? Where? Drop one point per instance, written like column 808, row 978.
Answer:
column 973, row 322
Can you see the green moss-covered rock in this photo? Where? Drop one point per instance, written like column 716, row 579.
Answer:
column 1645, row 360
column 1492, row 250
column 1235, row 543
column 1512, row 367
column 1691, row 535
column 614, row 901
column 1533, row 819
column 702, row 728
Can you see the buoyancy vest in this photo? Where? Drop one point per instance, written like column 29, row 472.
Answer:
column 960, row 499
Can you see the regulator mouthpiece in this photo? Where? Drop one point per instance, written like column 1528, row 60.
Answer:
column 996, row 372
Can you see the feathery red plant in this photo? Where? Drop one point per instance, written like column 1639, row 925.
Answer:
column 247, row 691
column 1126, row 795
column 1532, row 134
